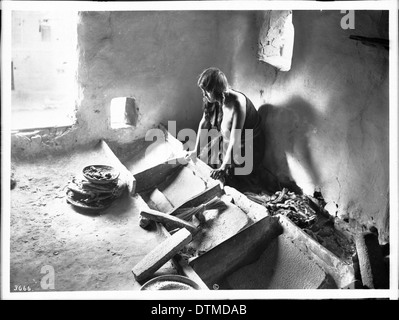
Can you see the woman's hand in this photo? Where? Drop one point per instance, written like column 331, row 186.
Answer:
column 218, row 173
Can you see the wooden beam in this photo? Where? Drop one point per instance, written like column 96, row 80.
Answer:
column 236, row 251
column 161, row 254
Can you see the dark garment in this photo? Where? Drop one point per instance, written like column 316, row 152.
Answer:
column 251, row 182
column 252, row 118
column 214, row 148
column 253, row 121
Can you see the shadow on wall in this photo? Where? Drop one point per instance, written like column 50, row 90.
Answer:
column 287, row 129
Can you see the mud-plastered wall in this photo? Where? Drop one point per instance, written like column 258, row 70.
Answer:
column 327, row 119
column 152, row 57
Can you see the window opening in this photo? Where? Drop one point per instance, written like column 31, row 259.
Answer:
column 276, row 39
column 44, row 65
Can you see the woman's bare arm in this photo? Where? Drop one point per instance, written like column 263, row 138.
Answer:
column 237, row 125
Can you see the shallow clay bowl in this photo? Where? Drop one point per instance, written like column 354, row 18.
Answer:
column 170, row 282
column 100, row 174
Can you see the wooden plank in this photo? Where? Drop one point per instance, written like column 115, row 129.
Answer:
column 152, row 177
column 161, row 254
column 180, row 264
column 236, row 251
column 166, row 218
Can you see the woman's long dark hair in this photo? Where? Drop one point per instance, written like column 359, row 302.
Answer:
column 214, row 81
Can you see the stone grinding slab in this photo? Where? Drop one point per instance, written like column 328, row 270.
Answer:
column 219, row 227
column 280, row 266
column 181, row 186
column 158, row 201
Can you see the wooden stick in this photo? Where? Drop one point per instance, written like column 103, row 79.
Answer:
column 169, row 219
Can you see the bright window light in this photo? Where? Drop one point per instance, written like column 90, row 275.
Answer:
column 276, row 39
column 44, row 65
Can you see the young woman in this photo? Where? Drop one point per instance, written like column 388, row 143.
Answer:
column 229, row 113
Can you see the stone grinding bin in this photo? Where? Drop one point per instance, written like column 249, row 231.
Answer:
column 243, row 247
column 272, row 253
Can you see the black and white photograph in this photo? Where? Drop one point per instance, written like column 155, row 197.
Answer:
column 234, row 149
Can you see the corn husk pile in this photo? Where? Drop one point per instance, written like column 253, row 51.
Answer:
column 316, row 224
column 90, row 194
column 293, row 206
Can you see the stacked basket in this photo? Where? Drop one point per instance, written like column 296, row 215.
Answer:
column 96, row 189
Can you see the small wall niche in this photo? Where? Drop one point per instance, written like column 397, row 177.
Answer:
column 123, row 112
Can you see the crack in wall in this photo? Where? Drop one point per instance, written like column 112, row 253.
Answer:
column 339, row 196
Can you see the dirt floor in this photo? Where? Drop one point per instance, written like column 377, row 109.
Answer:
column 57, row 247
column 85, row 250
